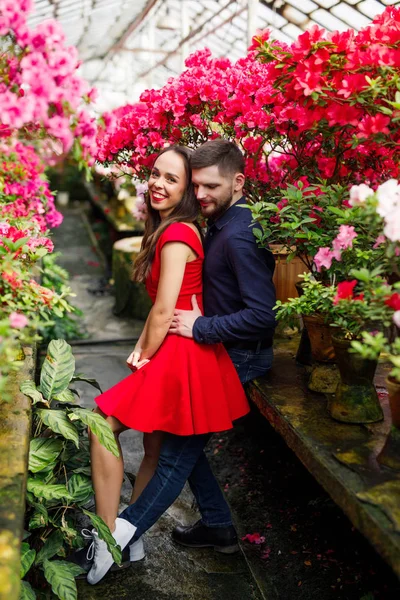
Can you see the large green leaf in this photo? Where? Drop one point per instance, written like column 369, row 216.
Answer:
column 66, row 396
column 43, row 452
column 29, row 389
column 58, row 422
column 27, row 558
column 98, row 425
column 40, row 517
column 58, row 369
column 106, row 535
column 47, row 491
column 82, row 377
column 80, row 488
column 51, row 546
column 27, row 592
column 61, row 576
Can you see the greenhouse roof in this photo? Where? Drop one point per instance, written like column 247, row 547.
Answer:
column 130, row 45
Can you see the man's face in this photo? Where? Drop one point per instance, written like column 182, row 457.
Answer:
column 214, row 192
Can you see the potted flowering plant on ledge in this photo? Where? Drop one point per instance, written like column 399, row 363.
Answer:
column 313, row 305
column 371, row 347
column 361, row 304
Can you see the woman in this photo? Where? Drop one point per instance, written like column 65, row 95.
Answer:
column 176, row 382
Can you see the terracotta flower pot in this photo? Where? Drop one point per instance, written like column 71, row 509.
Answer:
column 390, row 453
column 356, row 399
column 320, row 338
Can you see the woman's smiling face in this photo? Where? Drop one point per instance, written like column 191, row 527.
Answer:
column 167, row 182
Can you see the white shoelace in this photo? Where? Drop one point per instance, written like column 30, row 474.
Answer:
column 89, row 535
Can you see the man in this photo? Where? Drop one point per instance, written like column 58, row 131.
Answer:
column 239, row 297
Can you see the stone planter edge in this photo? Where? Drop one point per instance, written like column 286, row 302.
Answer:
column 15, row 428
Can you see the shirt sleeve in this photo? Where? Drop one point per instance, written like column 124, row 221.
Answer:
column 253, row 268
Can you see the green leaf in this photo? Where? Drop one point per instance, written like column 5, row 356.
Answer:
column 40, row 517
column 336, row 211
column 66, row 396
column 51, row 546
column 61, row 576
column 58, row 369
column 29, row 389
column 27, row 558
column 82, row 377
column 47, row 491
column 43, row 452
column 58, row 422
column 27, row 592
column 106, row 535
column 98, row 425
column 80, row 488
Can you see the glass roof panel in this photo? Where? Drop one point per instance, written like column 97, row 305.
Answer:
column 129, row 45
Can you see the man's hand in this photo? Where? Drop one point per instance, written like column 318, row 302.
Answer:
column 183, row 320
column 133, row 361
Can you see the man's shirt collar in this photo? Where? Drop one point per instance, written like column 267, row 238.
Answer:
column 228, row 215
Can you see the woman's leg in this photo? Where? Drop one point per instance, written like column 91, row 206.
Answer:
column 107, row 473
column 152, row 447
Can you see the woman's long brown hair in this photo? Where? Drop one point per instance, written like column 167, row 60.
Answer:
column 187, row 210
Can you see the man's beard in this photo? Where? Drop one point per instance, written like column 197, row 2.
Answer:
column 220, row 209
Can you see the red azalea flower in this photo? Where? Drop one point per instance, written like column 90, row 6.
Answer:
column 345, row 290
column 393, row 301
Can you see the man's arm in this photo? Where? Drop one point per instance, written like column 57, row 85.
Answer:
column 254, row 278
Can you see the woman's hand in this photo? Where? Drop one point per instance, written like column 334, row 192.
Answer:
column 133, row 361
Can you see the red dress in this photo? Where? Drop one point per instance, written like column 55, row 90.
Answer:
column 187, row 388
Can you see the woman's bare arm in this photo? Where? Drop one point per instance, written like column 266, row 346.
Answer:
column 174, row 257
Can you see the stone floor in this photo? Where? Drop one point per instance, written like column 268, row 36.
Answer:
column 308, row 550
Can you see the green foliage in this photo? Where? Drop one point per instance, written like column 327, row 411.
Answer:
column 59, row 483
column 58, row 369
column 61, row 576
column 373, row 346
column 104, row 534
column 315, row 298
column 65, row 325
column 365, row 309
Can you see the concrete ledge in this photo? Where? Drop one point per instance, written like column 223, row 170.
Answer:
column 342, row 457
column 15, row 426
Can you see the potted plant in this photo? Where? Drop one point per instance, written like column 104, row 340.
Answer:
column 358, row 305
column 313, row 306
column 372, row 347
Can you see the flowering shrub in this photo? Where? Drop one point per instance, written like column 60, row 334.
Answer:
column 41, row 110
column 363, row 303
column 323, row 108
column 40, row 88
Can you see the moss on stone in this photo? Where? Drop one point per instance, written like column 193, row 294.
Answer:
column 15, row 424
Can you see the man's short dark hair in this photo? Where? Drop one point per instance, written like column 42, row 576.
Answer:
column 223, row 153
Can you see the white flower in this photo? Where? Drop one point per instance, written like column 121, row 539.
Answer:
column 392, row 225
column 359, row 194
column 388, row 195
column 396, row 318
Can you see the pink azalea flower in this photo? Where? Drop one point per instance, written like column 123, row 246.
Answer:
column 254, row 538
column 323, row 258
column 345, row 237
column 379, row 240
column 18, row 321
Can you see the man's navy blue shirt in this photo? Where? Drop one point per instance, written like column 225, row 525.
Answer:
column 238, row 291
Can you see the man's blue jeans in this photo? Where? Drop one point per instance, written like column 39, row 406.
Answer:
column 183, row 459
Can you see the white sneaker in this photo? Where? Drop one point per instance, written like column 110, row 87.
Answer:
column 136, row 550
column 103, row 560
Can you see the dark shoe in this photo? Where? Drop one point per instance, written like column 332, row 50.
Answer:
column 222, row 539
